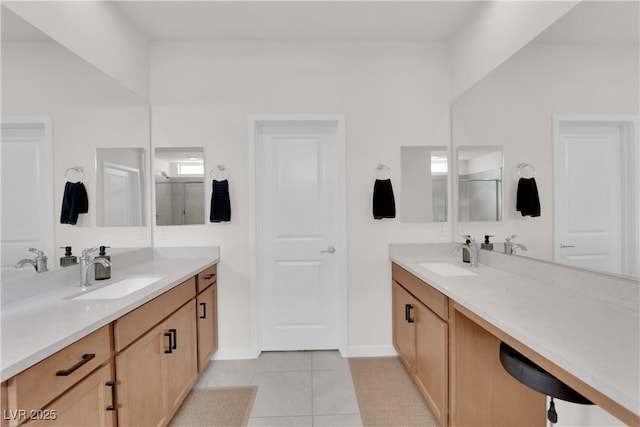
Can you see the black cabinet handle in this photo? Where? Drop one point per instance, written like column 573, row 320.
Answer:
column 175, row 338
column 204, row 310
column 170, row 335
column 114, row 396
column 407, row 313
column 85, row 359
column 209, row 276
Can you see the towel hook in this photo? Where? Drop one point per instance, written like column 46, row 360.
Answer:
column 220, row 171
column 522, row 166
column 382, row 171
column 77, row 170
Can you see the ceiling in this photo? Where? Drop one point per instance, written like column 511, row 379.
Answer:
column 298, row 20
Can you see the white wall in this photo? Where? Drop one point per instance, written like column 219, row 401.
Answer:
column 495, row 31
column 513, row 107
column 96, row 31
column 89, row 110
column 392, row 94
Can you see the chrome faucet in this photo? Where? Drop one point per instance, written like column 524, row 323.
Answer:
column 85, row 266
column 510, row 247
column 39, row 263
column 471, row 246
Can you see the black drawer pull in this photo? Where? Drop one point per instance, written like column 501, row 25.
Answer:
column 204, row 310
column 170, row 335
column 209, row 276
column 85, row 359
column 114, row 396
column 407, row 313
column 175, row 338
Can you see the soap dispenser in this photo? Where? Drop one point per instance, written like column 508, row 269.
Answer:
column 102, row 272
column 67, row 259
column 487, row 245
column 466, row 255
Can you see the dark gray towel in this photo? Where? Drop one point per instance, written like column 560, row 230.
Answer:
column 527, row 200
column 384, row 204
column 220, row 203
column 74, row 202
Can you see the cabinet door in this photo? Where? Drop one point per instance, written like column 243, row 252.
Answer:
column 141, row 372
column 404, row 333
column 86, row 404
column 181, row 364
column 431, row 360
column 207, row 312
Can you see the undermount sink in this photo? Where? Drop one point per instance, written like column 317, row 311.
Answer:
column 446, row 269
column 121, row 288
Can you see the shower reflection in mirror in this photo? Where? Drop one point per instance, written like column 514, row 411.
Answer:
column 424, row 184
column 179, row 184
column 120, row 187
column 479, row 183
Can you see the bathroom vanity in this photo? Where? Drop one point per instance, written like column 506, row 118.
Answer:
column 448, row 326
column 72, row 358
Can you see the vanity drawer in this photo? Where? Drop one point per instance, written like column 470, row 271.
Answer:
column 429, row 296
column 37, row 386
column 207, row 277
column 133, row 325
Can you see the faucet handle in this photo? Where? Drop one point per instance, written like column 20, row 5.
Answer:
column 38, row 252
column 508, row 239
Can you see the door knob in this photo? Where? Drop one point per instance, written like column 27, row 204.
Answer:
column 330, row 250
column 562, row 246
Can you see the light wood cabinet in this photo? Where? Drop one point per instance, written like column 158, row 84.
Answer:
column 432, row 352
column 421, row 339
column 89, row 403
column 482, row 392
column 207, row 313
column 141, row 375
column 404, row 331
column 181, row 362
column 157, row 371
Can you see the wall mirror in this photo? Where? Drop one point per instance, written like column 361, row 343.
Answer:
column 479, row 183
column 120, row 180
column 572, row 90
column 50, row 94
column 179, row 185
column 424, row 184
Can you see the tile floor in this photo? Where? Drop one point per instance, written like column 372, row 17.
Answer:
column 295, row 388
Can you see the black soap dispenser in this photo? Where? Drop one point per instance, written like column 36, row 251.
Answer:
column 487, row 245
column 67, row 259
column 102, row 272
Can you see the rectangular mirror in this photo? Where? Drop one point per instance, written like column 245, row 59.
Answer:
column 179, row 184
column 424, row 184
column 479, row 183
column 119, row 187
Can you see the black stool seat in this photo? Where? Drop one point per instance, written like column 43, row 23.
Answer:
column 533, row 376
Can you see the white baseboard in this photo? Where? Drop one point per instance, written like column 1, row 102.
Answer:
column 352, row 351
column 371, row 351
column 235, row 354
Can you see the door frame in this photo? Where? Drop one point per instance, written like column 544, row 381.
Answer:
column 630, row 167
column 340, row 215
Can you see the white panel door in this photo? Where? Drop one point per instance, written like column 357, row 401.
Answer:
column 298, row 270
column 27, row 190
column 588, row 196
column 122, row 201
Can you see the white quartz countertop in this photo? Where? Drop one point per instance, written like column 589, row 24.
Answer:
column 595, row 341
column 39, row 326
